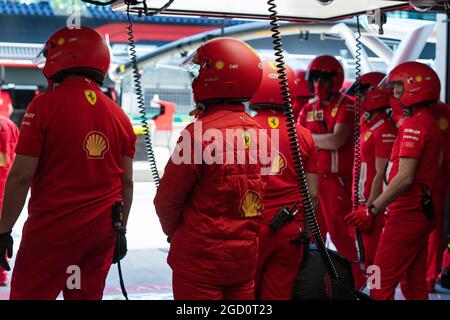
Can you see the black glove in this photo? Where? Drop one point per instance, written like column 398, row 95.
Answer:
column 6, row 249
column 120, row 250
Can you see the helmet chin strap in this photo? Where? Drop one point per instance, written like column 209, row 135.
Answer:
column 198, row 111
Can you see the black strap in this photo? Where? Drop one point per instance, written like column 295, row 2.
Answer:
column 119, row 268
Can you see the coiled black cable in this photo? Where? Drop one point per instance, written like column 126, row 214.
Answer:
column 140, row 100
column 147, row 138
column 309, row 211
column 357, row 147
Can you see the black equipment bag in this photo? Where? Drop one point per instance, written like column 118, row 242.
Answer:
column 314, row 283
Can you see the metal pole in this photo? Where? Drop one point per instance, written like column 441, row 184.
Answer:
column 442, row 65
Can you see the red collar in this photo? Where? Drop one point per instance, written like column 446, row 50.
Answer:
column 78, row 82
column 269, row 112
column 226, row 106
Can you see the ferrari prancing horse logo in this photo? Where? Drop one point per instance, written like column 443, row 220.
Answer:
column 90, row 96
column 274, row 122
column 246, row 139
column 334, row 112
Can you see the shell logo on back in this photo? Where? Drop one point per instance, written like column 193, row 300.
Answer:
column 278, row 164
column 96, row 145
column 251, row 204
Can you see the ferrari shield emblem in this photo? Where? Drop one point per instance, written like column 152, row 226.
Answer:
column 367, row 136
column 3, row 160
column 246, row 138
column 334, row 112
column 90, row 96
column 274, row 122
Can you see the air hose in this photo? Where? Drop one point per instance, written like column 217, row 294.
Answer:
column 309, row 211
column 357, row 147
column 140, row 99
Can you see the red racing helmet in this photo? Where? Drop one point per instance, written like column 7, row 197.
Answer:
column 326, row 67
column 302, row 84
column 75, row 51
column 376, row 97
column 420, row 83
column 269, row 91
column 229, row 69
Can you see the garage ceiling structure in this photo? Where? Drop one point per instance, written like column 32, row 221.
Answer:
column 288, row 10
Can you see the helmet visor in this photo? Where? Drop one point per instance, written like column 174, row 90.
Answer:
column 357, row 87
column 316, row 75
column 190, row 65
column 386, row 83
column 41, row 57
column 395, row 87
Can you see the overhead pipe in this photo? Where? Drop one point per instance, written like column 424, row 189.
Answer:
column 351, row 43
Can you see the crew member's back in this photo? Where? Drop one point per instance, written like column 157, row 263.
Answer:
column 80, row 136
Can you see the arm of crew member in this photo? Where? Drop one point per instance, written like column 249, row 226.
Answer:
column 311, row 180
column 16, row 189
column 335, row 140
column 377, row 183
column 401, row 182
column 127, row 187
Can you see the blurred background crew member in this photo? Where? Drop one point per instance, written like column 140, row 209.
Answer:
column 414, row 168
column 6, row 107
column 377, row 139
column 9, row 134
column 330, row 117
column 436, row 241
column 302, row 93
